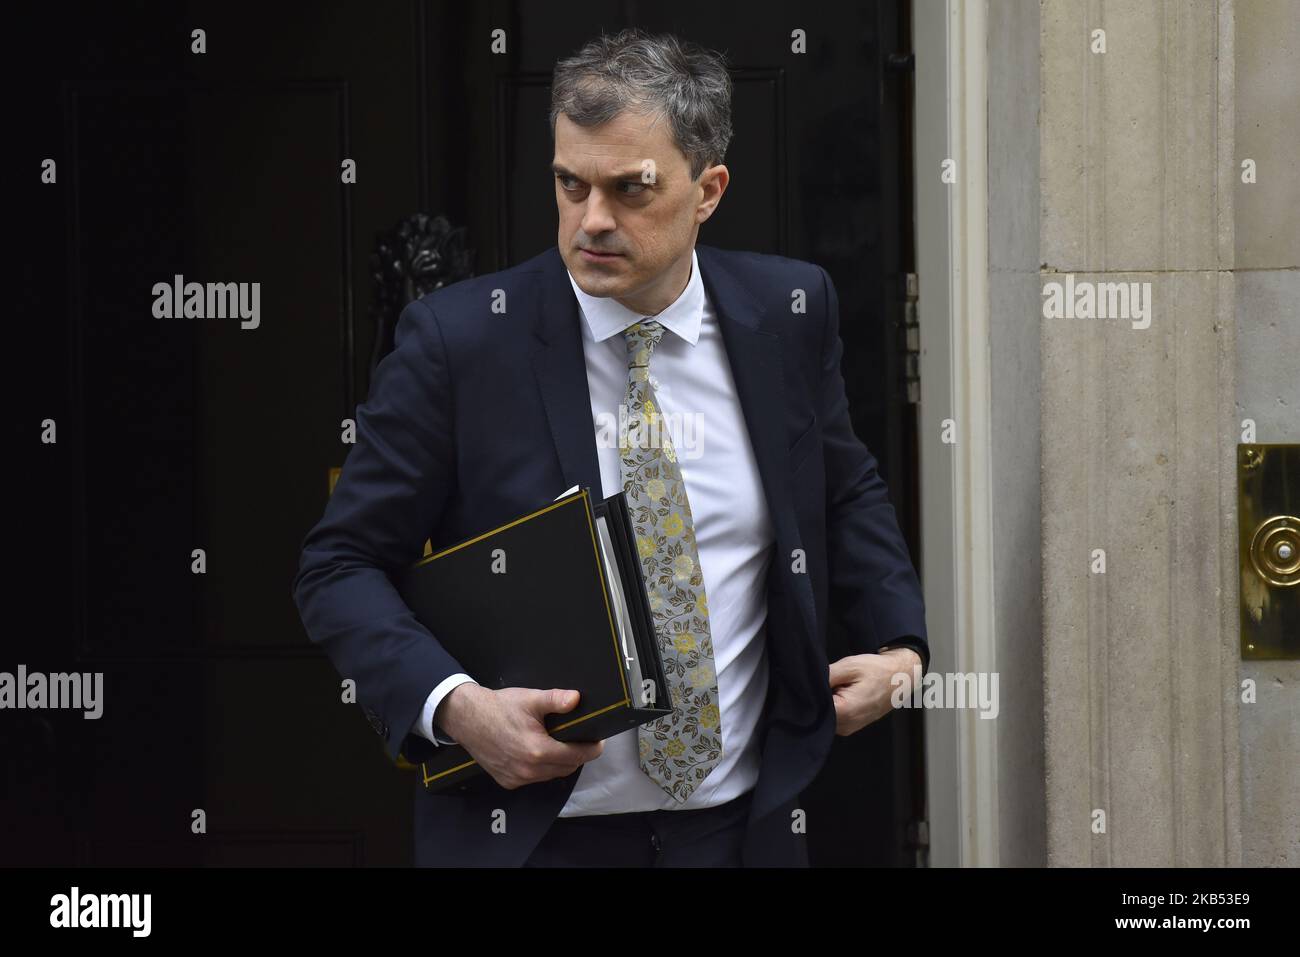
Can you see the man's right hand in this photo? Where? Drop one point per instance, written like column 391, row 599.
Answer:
column 504, row 731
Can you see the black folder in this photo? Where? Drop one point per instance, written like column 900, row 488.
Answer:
column 553, row 599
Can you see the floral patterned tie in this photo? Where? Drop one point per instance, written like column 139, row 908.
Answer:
column 679, row 750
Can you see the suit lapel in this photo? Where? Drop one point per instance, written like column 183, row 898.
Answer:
column 561, row 371
column 758, row 369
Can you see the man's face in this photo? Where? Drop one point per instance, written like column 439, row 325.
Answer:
column 624, row 188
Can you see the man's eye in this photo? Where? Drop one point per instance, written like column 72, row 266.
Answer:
column 630, row 187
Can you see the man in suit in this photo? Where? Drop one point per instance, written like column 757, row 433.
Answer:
column 704, row 384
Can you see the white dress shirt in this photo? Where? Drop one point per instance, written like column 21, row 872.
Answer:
column 697, row 397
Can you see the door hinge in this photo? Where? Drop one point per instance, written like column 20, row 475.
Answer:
column 911, row 341
column 918, row 842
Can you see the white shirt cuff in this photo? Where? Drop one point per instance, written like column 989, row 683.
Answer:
column 425, row 726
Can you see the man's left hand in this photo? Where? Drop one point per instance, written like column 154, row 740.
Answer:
column 862, row 686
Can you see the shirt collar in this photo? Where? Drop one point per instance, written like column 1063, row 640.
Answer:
column 607, row 317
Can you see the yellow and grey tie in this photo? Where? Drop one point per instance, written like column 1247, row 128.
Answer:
column 679, row 750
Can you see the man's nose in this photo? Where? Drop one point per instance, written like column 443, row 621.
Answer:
column 597, row 217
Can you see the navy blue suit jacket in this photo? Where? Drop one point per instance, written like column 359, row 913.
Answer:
column 478, row 416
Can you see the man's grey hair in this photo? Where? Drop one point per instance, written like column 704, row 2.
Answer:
column 633, row 71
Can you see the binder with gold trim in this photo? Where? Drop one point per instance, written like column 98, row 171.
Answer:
column 553, row 599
